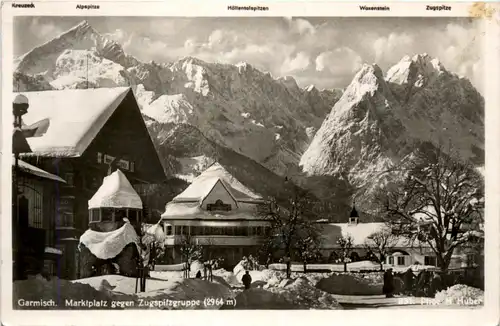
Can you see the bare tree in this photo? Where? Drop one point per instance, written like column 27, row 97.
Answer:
column 440, row 203
column 380, row 243
column 288, row 225
column 346, row 244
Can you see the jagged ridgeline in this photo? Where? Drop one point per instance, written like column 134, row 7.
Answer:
column 261, row 128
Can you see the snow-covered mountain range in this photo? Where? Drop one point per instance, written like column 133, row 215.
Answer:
column 197, row 110
column 269, row 120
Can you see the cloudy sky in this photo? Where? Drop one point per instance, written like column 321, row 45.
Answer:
column 321, row 51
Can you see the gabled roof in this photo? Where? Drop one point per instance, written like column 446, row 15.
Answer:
column 204, row 183
column 116, row 192
column 19, row 142
column 72, row 118
column 28, row 168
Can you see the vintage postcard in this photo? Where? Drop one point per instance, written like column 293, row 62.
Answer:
column 339, row 161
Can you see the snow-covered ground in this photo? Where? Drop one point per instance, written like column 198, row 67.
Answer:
column 460, row 295
column 351, row 267
column 270, row 289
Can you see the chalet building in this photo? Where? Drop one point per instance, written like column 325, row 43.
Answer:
column 33, row 238
column 401, row 254
column 217, row 212
column 83, row 135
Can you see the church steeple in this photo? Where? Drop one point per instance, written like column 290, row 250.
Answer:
column 354, row 212
column 354, row 216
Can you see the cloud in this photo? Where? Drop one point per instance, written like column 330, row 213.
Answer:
column 393, row 47
column 340, row 62
column 44, row 31
column 300, row 62
column 300, row 26
column 461, row 51
column 223, row 40
column 326, row 52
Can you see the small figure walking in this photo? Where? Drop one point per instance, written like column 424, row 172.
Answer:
column 198, row 275
column 388, row 288
column 247, row 280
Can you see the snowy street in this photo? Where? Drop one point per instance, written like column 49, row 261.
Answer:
column 270, row 289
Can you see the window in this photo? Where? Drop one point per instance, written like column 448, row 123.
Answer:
column 107, row 214
column 229, row 230
column 401, row 260
column 123, row 164
column 471, row 260
column 195, row 230
column 218, row 206
column 391, row 260
column 99, row 157
column 430, row 260
column 168, row 229
column 31, row 205
column 68, row 177
column 108, row 159
column 94, row 215
column 131, row 214
column 258, row 230
column 132, row 167
column 64, row 219
column 178, row 230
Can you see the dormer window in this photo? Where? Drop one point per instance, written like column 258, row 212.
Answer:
column 219, row 206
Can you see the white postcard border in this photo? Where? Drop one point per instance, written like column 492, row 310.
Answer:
column 488, row 315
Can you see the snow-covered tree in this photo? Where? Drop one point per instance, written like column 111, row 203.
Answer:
column 153, row 238
column 269, row 249
column 308, row 246
column 346, row 244
column 439, row 204
column 289, row 225
column 380, row 243
column 190, row 252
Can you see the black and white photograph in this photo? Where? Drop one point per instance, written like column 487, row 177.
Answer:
column 248, row 163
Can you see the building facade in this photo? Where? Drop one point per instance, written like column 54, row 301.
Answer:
column 81, row 135
column 33, row 237
column 401, row 253
column 219, row 214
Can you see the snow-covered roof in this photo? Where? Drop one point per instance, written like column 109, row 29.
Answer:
column 28, row 168
column 50, row 250
column 192, row 210
column 360, row 232
column 73, row 118
column 106, row 245
column 116, row 192
column 203, row 184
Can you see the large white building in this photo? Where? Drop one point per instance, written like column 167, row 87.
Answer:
column 401, row 252
column 217, row 212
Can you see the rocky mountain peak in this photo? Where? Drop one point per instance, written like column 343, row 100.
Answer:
column 417, row 71
column 377, row 122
